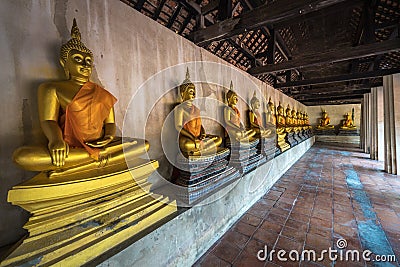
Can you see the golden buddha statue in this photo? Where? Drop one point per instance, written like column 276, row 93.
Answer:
column 233, row 125
column 271, row 117
column 281, row 128
column 324, row 122
column 77, row 117
column 348, row 123
column 193, row 141
column 289, row 120
column 256, row 119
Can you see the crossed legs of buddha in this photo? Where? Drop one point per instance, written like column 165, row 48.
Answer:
column 208, row 145
column 35, row 158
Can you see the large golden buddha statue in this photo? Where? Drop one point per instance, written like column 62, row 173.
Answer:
column 281, row 128
column 256, row 119
column 193, row 141
column 347, row 123
column 324, row 122
column 77, row 117
column 233, row 124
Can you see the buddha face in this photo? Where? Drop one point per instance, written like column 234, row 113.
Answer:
column 189, row 94
column 280, row 110
column 271, row 107
column 288, row 112
column 79, row 64
column 256, row 104
column 324, row 115
column 233, row 99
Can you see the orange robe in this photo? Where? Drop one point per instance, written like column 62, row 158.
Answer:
column 85, row 115
column 235, row 118
column 193, row 124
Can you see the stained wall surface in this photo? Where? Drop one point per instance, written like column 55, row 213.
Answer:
column 136, row 59
column 335, row 112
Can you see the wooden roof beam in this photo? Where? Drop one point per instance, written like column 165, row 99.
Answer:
column 264, row 15
column 339, row 78
column 338, row 55
column 334, row 102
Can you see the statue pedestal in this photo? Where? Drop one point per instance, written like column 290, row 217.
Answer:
column 348, row 132
column 244, row 155
column 200, row 175
column 77, row 217
column 281, row 144
column 324, row 131
column 267, row 147
column 290, row 139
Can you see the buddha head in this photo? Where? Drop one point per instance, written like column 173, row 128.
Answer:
column 75, row 57
column 288, row 111
column 254, row 102
column 298, row 115
column 231, row 96
column 271, row 106
column 280, row 110
column 324, row 114
column 294, row 113
column 187, row 89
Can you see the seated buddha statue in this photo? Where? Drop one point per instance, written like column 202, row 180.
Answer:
column 77, row 117
column 324, row 122
column 347, row 123
column 280, row 119
column 256, row 119
column 193, row 141
column 271, row 117
column 295, row 121
column 289, row 120
column 233, row 125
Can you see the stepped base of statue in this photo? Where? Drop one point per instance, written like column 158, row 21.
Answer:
column 324, row 131
column 301, row 136
column 201, row 175
column 348, row 132
column 267, row 147
column 290, row 139
column 281, row 143
column 78, row 217
column 244, row 155
column 306, row 133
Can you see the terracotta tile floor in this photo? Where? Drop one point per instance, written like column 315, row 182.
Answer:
column 331, row 193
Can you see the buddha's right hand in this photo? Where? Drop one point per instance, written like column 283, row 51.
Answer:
column 59, row 152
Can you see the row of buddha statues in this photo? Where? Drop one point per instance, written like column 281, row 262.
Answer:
column 324, row 123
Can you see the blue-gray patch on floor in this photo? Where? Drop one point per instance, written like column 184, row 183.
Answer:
column 371, row 233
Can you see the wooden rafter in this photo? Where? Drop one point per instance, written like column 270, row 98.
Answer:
column 331, row 57
column 262, row 16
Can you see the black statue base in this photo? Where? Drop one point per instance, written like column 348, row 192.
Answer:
column 244, row 155
column 290, row 139
column 267, row 148
column 347, row 132
column 202, row 175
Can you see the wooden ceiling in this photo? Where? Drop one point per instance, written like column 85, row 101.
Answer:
column 319, row 52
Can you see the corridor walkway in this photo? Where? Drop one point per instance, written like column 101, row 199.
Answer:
column 330, row 194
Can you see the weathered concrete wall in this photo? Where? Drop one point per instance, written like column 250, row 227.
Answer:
column 129, row 49
column 335, row 112
column 176, row 243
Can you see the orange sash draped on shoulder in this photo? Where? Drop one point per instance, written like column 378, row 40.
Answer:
column 84, row 116
column 193, row 124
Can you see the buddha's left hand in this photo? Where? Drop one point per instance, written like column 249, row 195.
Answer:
column 100, row 142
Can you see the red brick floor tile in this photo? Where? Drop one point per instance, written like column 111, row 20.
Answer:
column 267, row 237
column 279, row 219
column 212, row 261
column 271, row 226
column 289, row 244
column 251, row 219
column 321, row 223
column 294, row 233
column 226, row 252
column 246, row 259
column 244, row 228
column 299, row 217
column 318, row 241
column 235, row 238
column 302, row 226
column 321, row 231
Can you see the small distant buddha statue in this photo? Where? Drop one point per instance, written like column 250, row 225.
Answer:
column 271, row 117
column 193, row 140
column 299, row 118
column 77, row 117
column 280, row 118
column 233, row 124
column 348, row 123
column 256, row 119
column 324, row 122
